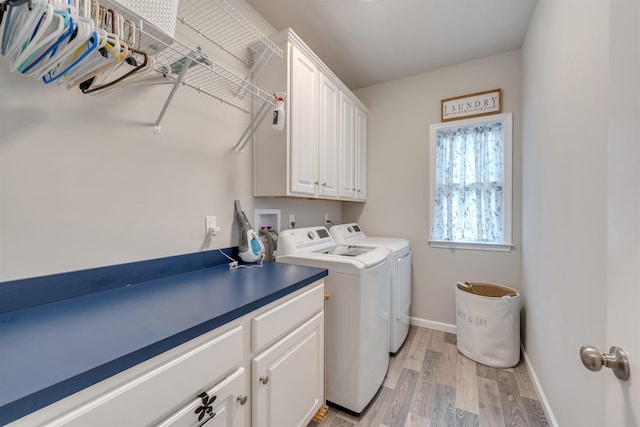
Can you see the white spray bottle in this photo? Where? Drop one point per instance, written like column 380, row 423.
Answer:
column 278, row 114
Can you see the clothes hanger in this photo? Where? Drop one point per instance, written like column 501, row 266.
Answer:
column 92, row 89
column 130, row 29
column 40, row 65
column 9, row 14
column 94, row 58
column 22, row 29
column 89, row 43
column 48, row 32
column 64, row 53
column 54, row 54
column 59, row 41
column 10, row 11
column 37, row 67
column 5, row 4
column 117, row 51
column 107, row 46
column 151, row 73
column 108, row 78
column 83, row 41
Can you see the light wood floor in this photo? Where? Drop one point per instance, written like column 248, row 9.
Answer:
column 429, row 383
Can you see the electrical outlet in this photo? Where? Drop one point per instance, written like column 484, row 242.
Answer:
column 292, row 220
column 210, row 227
column 326, row 218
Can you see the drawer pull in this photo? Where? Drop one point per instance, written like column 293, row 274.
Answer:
column 213, row 414
column 242, row 399
column 206, row 407
column 264, row 380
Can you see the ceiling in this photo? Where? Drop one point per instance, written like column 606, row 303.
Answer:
column 369, row 42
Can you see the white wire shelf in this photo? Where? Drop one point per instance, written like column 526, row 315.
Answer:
column 193, row 68
column 224, row 27
column 221, row 28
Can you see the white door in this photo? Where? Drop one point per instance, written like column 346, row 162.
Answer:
column 623, row 293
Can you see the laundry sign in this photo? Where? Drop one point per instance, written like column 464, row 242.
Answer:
column 472, row 105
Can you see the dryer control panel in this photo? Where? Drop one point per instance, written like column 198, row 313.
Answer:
column 345, row 233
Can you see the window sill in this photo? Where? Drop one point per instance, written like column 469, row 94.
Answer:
column 475, row 246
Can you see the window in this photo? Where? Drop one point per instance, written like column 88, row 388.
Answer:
column 470, row 184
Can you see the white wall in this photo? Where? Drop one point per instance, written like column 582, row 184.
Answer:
column 565, row 89
column 85, row 182
column 400, row 113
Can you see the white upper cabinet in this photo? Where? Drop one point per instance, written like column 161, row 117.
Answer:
column 347, row 148
column 329, row 138
column 353, row 147
column 307, row 159
column 360, row 172
column 303, row 124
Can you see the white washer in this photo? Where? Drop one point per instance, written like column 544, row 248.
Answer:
column 400, row 286
column 356, row 313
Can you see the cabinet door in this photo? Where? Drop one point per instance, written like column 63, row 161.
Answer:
column 304, row 125
column 360, row 154
column 329, row 137
column 222, row 406
column 347, row 148
column 287, row 378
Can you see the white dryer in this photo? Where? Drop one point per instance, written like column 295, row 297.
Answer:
column 356, row 329
column 400, row 286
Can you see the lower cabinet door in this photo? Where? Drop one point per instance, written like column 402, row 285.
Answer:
column 288, row 377
column 220, row 406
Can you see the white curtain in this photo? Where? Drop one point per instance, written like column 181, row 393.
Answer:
column 469, row 176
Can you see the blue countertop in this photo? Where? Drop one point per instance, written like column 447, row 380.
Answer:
column 50, row 351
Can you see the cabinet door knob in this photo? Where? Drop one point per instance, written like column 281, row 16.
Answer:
column 264, row 380
column 242, row 399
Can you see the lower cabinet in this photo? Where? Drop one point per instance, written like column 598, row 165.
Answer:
column 287, row 379
column 146, row 399
column 264, row 369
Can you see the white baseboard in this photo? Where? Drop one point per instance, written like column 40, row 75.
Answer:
column 536, row 385
column 438, row 326
column 447, row 327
